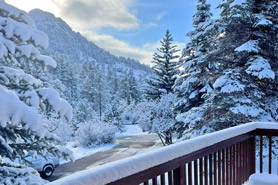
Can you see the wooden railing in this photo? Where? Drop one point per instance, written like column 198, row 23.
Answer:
column 266, row 135
column 228, row 160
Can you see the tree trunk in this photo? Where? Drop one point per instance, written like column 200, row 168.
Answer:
column 99, row 95
column 161, row 139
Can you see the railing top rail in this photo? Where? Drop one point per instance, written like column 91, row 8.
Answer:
column 113, row 171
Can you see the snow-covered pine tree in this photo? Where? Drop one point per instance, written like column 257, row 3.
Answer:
column 124, row 92
column 160, row 86
column 22, row 97
column 136, row 94
column 165, row 69
column 132, row 89
column 102, row 92
column 70, row 78
column 83, row 112
column 114, row 111
column 128, row 88
column 191, row 83
column 242, row 80
column 89, row 86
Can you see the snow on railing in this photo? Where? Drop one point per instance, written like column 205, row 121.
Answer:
column 113, row 171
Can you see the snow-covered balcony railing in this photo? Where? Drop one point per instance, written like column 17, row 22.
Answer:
column 225, row 157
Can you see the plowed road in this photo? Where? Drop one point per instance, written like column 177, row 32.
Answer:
column 127, row 146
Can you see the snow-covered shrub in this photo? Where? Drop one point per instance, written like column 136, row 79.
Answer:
column 128, row 115
column 58, row 126
column 96, row 132
column 18, row 174
column 144, row 114
column 157, row 116
column 164, row 114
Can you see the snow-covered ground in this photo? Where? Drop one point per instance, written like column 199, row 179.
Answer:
column 262, row 179
column 81, row 151
column 265, row 165
column 131, row 130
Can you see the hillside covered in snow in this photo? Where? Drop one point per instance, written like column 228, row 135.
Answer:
column 87, row 75
column 75, row 47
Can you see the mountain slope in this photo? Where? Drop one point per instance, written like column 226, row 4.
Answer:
column 64, row 41
column 92, row 78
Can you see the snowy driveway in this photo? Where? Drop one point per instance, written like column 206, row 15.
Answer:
column 127, row 146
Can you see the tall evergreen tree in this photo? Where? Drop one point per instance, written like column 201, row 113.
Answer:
column 89, row 86
column 165, row 69
column 189, row 86
column 23, row 99
column 161, row 85
column 113, row 112
column 238, row 76
column 133, row 88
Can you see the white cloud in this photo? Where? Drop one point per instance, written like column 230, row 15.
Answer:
column 161, row 15
column 93, row 14
column 122, row 48
column 119, row 48
column 87, row 16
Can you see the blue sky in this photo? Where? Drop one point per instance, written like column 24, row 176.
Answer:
column 156, row 17
column 131, row 28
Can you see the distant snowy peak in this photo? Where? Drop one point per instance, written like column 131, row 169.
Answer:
column 45, row 19
column 63, row 41
column 42, row 17
column 38, row 14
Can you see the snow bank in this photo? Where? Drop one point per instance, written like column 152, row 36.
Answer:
column 263, row 179
column 131, row 130
column 122, row 168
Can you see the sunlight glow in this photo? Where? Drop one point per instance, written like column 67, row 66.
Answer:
column 27, row 5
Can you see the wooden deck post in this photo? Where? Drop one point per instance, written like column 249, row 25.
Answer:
column 177, row 176
column 252, row 155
